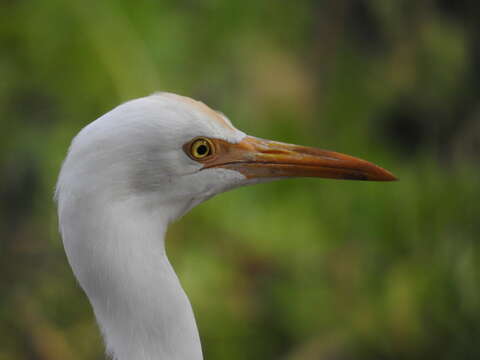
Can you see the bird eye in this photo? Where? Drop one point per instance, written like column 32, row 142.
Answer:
column 201, row 148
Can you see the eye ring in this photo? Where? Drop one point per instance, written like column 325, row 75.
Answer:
column 201, row 148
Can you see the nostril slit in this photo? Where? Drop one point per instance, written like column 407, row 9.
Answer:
column 275, row 152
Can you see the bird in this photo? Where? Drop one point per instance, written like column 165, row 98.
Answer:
column 129, row 174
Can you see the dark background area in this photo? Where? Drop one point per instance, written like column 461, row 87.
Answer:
column 299, row 269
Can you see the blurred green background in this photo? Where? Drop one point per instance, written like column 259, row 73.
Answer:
column 297, row 270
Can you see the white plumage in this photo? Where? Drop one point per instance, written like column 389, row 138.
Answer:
column 126, row 177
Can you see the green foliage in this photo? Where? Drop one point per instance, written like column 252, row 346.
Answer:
column 300, row 269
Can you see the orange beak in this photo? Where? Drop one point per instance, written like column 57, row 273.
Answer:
column 259, row 158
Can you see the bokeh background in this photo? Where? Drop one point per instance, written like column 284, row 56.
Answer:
column 298, row 270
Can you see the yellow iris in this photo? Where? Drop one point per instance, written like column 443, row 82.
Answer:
column 201, row 148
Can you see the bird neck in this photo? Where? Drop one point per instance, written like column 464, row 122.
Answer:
column 136, row 296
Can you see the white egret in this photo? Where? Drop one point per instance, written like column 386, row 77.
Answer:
column 130, row 173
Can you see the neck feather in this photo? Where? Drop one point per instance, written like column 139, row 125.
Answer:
column 118, row 255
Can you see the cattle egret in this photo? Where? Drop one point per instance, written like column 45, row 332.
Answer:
column 129, row 174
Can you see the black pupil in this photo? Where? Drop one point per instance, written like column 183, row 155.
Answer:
column 202, row 150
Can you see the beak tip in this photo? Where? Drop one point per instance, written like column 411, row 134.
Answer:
column 384, row 175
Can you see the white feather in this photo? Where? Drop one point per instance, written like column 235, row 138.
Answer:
column 126, row 177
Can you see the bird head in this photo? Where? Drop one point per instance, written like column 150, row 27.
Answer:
column 169, row 149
